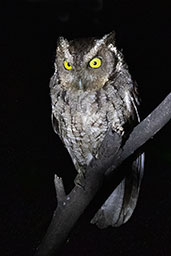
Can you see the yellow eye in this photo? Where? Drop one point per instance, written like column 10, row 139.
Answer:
column 67, row 65
column 95, row 63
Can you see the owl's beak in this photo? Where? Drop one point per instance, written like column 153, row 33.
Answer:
column 80, row 84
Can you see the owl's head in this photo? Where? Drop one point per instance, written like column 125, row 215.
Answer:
column 87, row 64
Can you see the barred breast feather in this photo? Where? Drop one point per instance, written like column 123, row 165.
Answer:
column 82, row 119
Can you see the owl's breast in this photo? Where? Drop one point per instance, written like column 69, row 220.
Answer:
column 83, row 120
column 85, row 130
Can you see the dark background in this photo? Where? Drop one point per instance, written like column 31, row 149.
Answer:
column 30, row 152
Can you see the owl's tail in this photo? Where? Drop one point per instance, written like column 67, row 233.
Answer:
column 119, row 207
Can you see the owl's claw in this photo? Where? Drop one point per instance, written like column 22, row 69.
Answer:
column 80, row 180
column 119, row 129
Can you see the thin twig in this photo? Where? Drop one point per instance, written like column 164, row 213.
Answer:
column 59, row 187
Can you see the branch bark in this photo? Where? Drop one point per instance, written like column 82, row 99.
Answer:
column 110, row 156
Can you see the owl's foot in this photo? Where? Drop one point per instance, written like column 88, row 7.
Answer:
column 118, row 129
column 80, row 180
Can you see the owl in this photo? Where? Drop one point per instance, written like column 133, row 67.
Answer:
column 91, row 92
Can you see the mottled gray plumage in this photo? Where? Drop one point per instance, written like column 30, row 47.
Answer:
column 88, row 99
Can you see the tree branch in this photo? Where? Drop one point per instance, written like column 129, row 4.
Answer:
column 110, row 156
column 145, row 130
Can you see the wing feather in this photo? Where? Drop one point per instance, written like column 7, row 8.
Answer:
column 120, row 205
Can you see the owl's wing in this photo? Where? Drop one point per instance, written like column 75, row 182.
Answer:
column 120, row 205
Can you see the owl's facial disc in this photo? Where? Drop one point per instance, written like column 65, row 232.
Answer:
column 85, row 64
column 87, row 76
column 84, row 76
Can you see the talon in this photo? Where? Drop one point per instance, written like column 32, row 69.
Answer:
column 79, row 180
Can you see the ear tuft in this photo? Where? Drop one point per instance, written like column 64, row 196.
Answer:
column 110, row 38
column 62, row 42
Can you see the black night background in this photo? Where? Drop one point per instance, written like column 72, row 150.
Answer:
column 31, row 153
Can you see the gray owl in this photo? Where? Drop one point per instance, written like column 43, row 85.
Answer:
column 91, row 92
